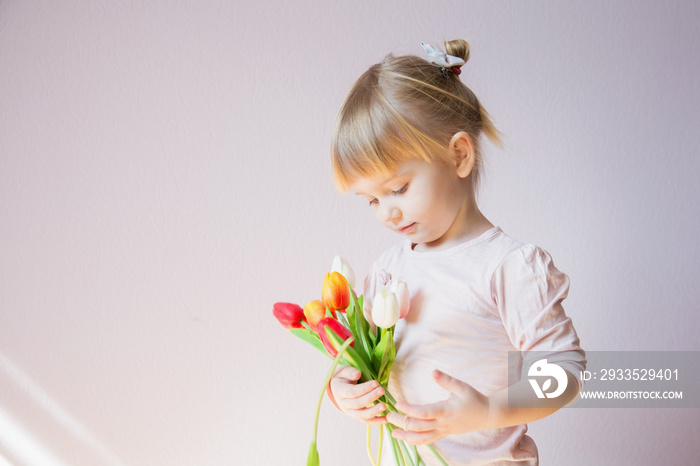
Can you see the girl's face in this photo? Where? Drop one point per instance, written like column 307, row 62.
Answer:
column 429, row 203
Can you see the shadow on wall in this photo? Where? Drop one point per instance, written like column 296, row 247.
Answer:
column 19, row 445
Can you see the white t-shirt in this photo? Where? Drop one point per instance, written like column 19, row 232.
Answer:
column 470, row 305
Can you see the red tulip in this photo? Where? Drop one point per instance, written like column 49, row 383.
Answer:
column 337, row 328
column 314, row 311
column 288, row 314
column 335, row 293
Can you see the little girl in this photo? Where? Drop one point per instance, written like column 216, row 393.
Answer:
column 407, row 139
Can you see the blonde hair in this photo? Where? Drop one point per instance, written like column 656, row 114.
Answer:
column 405, row 107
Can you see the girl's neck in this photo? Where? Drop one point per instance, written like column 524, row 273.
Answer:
column 469, row 223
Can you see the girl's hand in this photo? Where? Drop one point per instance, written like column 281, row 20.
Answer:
column 466, row 410
column 357, row 399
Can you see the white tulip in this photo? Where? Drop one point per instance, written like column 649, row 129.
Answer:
column 385, row 308
column 341, row 266
column 400, row 289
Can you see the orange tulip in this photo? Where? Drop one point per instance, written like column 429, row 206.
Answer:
column 314, row 311
column 335, row 293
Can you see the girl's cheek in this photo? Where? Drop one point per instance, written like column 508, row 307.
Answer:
column 422, row 204
column 377, row 215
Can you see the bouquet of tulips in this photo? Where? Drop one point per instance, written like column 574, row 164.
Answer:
column 336, row 325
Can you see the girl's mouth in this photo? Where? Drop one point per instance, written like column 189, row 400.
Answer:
column 407, row 228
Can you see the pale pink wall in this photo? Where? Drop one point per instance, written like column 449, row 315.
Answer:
column 164, row 179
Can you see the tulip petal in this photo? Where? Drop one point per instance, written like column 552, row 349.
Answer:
column 342, row 266
column 335, row 293
column 288, row 314
column 314, row 311
column 400, row 288
column 337, row 328
column 385, row 308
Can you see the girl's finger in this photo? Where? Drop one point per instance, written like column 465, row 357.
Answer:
column 430, row 411
column 369, row 415
column 365, row 399
column 373, row 420
column 345, row 387
column 348, row 373
column 356, row 390
column 411, row 424
column 448, row 382
column 417, row 438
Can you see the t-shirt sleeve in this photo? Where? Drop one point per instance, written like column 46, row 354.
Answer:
column 529, row 290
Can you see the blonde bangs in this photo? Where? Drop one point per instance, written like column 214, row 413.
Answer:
column 405, row 108
column 372, row 140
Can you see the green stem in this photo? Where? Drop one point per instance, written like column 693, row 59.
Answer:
column 388, row 398
column 406, row 453
column 390, row 402
column 397, row 444
column 401, row 447
column 341, row 350
column 401, row 453
column 369, row 444
column 437, row 455
column 394, row 446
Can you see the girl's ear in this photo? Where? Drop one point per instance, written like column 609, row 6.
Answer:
column 462, row 149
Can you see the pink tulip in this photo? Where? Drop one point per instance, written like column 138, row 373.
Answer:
column 288, row 314
column 400, row 289
column 337, row 328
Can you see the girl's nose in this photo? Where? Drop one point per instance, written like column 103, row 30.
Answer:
column 391, row 214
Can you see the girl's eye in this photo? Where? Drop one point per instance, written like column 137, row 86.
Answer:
column 374, row 201
column 401, row 190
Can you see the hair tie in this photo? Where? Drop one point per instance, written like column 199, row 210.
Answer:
column 447, row 63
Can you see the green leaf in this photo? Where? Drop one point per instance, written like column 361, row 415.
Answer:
column 313, row 459
column 387, row 364
column 366, row 327
column 343, row 320
column 362, row 330
column 384, row 355
column 355, row 325
column 310, row 337
column 350, row 314
column 351, row 357
column 377, row 354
